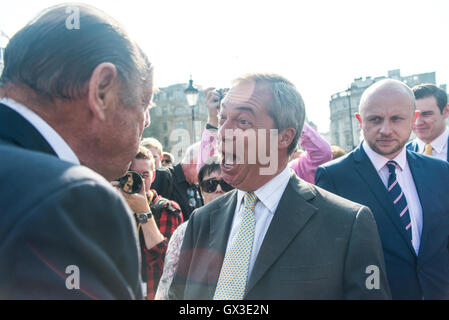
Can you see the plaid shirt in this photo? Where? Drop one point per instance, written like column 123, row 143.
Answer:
column 153, row 259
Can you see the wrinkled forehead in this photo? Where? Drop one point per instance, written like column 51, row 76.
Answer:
column 248, row 93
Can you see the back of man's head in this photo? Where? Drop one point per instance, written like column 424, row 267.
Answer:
column 55, row 57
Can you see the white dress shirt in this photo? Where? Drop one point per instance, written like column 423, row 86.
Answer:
column 58, row 144
column 405, row 180
column 439, row 145
column 268, row 197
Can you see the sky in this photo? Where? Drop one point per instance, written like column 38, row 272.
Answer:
column 320, row 45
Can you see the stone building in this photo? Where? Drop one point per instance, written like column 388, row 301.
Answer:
column 171, row 119
column 3, row 42
column 344, row 127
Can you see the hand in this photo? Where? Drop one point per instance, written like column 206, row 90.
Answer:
column 137, row 201
column 213, row 106
column 139, row 204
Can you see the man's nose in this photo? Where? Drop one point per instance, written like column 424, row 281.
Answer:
column 219, row 190
column 419, row 120
column 386, row 128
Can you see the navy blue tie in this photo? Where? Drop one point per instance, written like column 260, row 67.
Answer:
column 398, row 198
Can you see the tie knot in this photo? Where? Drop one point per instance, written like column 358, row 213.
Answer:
column 428, row 149
column 392, row 166
column 250, row 200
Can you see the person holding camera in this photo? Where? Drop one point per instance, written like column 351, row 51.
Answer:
column 156, row 217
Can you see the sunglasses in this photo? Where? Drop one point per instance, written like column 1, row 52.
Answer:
column 167, row 161
column 210, row 185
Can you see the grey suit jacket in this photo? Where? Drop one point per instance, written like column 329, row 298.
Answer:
column 318, row 246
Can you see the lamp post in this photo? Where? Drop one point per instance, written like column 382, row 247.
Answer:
column 348, row 95
column 192, row 98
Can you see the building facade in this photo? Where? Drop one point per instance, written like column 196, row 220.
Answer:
column 3, row 42
column 171, row 119
column 344, row 128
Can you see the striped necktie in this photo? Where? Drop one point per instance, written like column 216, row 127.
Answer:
column 398, row 198
column 234, row 272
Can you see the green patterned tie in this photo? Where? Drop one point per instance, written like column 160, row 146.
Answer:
column 234, row 272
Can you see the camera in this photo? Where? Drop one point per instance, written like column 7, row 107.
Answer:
column 131, row 182
column 222, row 92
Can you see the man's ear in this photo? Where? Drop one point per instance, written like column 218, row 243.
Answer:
column 286, row 137
column 359, row 119
column 154, row 176
column 102, row 88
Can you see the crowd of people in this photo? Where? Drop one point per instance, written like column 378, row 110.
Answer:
column 263, row 207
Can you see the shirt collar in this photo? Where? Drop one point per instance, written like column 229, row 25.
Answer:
column 270, row 193
column 380, row 161
column 438, row 143
column 58, row 144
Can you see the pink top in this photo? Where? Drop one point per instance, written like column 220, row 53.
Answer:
column 317, row 151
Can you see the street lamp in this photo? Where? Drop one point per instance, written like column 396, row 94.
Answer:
column 192, row 98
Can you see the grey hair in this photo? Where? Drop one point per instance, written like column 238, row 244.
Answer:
column 286, row 107
column 57, row 62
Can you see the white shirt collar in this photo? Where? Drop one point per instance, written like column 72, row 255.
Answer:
column 270, row 193
column 58, row 144
column 380, row 161
column 437, row 144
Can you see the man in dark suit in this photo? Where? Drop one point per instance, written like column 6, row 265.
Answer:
column 65, row 232
column 432, row 135
column 406, row 192
column 275, row 236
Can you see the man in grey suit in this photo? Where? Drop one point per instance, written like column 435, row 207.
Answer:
column 275, row 236
column 70, row 96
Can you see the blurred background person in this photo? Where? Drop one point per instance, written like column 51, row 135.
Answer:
column 212, row 186
column 180, row 182
column 167, row 159
column 155, row 148
column 157, row 218
column 430, row 126
column 337, row 152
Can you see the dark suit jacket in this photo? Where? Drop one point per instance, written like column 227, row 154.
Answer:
column 54, row 214
column 413, row 146
column 318, row 246
column 410, row 276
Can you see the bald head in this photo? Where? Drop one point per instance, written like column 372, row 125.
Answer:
column 386, row 114
column 386, row 89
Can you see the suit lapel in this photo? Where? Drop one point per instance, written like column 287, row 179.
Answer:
column 422, row 188
column 447, row 155
column 220, row 227
column 368, row 173
column 17, row 130
column 291, row 215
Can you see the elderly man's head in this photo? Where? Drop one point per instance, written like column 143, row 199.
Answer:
column 92, row 84
column 386, row 114
column 261, row 114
